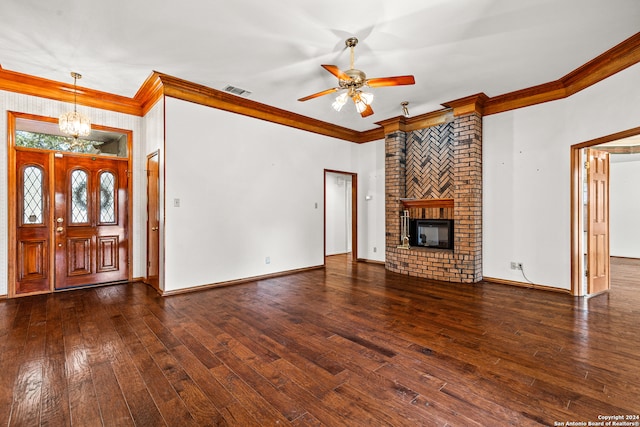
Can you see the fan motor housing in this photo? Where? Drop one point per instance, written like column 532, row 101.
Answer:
column 358, row 79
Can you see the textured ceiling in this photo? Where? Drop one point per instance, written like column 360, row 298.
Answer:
column 454, row 48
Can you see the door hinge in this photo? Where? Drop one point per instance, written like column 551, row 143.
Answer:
column 586, row 273
column 128, row 173
column 586, row 165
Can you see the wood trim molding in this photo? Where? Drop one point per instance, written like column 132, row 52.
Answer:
column 525, row 98
column 608, row 138
column 35, row 86
column 525, row 285
column 234, row 282
column 149, row 93
column 612, row 61
column 354, row 211
column 616, row 59
column 428, row 203
column 11, row 204
column 371, row 261
column 577, row 217
column 577, row 223
column 633, row 149
column 467, row 105
column 422, row 121
column 199, row 94
column 371, row 135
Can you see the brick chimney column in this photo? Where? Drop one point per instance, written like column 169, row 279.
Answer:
column 395, row 188
column 467, row 167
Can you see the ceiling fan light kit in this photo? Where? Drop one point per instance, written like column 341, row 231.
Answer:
column 352, row 80
column 340, row 101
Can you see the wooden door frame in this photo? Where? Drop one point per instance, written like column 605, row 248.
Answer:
column 156, row 285
column 354, row 212
column 577, row 220
column 12, row 195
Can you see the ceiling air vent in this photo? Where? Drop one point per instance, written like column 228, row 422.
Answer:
column 237, row 91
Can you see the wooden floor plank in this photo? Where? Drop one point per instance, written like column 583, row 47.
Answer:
column 348, row 345
column 27, row 409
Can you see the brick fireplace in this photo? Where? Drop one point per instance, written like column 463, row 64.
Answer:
column 436, row 172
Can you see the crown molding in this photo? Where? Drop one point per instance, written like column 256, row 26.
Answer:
column 149, row 93
column 612, row 61
column 408, row 124
column 199, row 94
column 36, row 86
column 157, row 85
column 468, row 104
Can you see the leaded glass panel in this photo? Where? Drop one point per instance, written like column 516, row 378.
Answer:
column 79, row 200
column 32, row 195
column 107, row 197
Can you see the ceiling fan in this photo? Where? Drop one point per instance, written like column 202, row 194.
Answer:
column 352, row 80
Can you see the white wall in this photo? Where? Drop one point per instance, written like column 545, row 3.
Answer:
column 338, row 213
column 153, row 130
column 526, row 173
column 10, row 101
column 248, row 190
column 624, row 209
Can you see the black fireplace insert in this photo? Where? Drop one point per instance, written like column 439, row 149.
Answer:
column 431, row 233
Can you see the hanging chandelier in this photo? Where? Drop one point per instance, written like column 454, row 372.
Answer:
column 73, row 123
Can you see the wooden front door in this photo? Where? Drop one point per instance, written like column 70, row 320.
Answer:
column 598, row 279
column 33, row 223
column 153, row 221
column 72, row 221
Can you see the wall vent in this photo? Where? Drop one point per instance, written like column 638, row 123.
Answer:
column 237, row 91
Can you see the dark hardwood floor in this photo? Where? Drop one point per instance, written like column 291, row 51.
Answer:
column 350, row 345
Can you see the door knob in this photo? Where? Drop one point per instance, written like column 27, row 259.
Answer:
column 60, row 220
column 60, row 229
column 154, row 228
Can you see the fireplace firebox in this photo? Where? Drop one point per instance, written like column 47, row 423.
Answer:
column 431, row 233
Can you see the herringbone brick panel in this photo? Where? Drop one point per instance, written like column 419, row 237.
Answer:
column 429, row 167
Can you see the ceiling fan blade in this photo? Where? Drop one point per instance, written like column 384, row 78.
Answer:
column 336, row 72
column 367, row 111
column 391, row 81
column 315, row 95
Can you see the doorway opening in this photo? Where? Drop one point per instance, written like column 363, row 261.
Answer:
column 600, row 202
column 153, row 220
column 69, row 206
column 340, row 213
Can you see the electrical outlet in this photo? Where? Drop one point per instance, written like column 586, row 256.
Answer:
column 519, row 266
column 375, row 249
column 516, row 265
column 267, row 260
